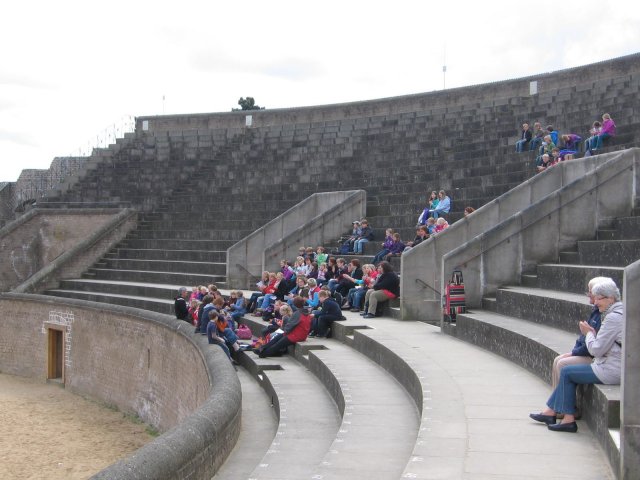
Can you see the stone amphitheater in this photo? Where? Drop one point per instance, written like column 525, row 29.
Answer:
column 91, row 263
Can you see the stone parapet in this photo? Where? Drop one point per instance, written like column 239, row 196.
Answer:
column 136, row 361
column 314, row 221
column 496, row 94
column 50, row 239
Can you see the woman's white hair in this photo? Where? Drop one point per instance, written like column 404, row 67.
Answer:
column 596, row 280
column 606, row 288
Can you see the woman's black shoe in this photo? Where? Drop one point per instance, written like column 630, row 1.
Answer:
column 571, row 427
column 548, row 419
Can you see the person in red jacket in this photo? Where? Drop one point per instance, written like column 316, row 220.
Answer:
column 296, row 329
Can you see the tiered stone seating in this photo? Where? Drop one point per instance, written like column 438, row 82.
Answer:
column 463, row 398
column 533, row 322
column 464, row 146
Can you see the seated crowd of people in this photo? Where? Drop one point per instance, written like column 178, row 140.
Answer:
column 304, row 297
column 545, row 142
column 299, row 300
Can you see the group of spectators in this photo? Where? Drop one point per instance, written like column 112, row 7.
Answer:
column 545, row 142
column 212, row 314
column 287, row 297
column 307, row 295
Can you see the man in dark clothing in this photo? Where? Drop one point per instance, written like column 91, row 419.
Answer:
column 387, row 286
column 180, row 305
column 323, row 318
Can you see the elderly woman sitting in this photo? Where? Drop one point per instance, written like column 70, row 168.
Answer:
column 580, row 355
column 605, row 346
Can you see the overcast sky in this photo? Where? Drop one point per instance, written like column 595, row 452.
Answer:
column 71, row 70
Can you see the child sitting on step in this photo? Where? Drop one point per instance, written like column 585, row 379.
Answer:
column 397, row 247
column 238, row 308
column 441, row 224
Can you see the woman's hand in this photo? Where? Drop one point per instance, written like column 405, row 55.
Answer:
column 586, row 328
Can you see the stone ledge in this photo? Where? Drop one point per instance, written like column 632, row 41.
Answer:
column 533, row 350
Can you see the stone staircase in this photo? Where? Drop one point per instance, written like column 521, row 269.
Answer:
column 533, row 322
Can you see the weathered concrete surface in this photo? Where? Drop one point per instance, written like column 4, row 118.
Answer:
column 420, row 298
column 630, row 412
column 315, row 221
column 41, row 238
column 505, row 251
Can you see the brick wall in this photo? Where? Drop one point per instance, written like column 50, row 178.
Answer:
column 142, row 362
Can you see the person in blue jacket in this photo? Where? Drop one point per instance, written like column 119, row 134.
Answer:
column 329, row 312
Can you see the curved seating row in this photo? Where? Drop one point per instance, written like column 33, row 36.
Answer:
column 530, row 324
column 471, row 405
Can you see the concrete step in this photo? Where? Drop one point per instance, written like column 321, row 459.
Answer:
column 573, row 278
column 176, row 244
column 617, row 253
column 557, row 309
column 627, row 228
column 229, row 235
column 473, row 406
column 308, row 418
column 207, row 256
column 534, row 346
column 145, row 303
column 140, row 276
column 205, row 268
column 528, row 344
column 136, row 289
column 569, row 257
column 364, row 391
column 257, row 431
column 241, row 222
column 227, row 212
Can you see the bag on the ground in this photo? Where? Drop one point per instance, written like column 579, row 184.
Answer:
column 244, row 332
column 454, row 297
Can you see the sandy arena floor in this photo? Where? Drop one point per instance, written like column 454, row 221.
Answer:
column 48, row 433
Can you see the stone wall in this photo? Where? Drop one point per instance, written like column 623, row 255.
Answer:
column 7, row 202
column 32, row 184
column 630, row 411
column 407, row 103
column 38, row 238
column 140, row 362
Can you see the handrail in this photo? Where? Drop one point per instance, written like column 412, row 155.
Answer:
column 600, row 195
column 242, row 267
column 424, row 261
column 314, row 221
column 424, row 285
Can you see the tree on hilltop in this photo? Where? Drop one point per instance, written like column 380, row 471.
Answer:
column 247, row 104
